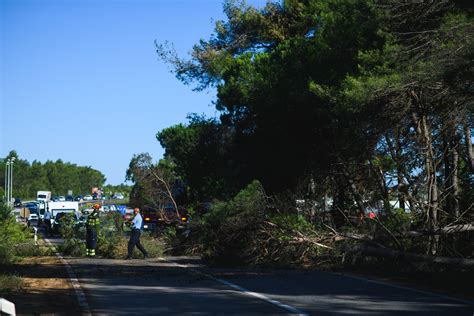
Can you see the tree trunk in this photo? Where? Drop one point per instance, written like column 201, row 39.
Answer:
column 426, row 149
column 451, row 166
column 354, row 191
column 396, row 153
column 401, row 187
column 455, row 183
column 468, row 141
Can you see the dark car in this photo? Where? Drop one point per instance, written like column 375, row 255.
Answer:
column 55, row 198
column 78, row 198
column 32, row 206
column 65, row 219
column 168, row 216
column 69, row 198
column 17, row 202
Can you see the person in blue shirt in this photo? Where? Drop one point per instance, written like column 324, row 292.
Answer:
column 47, row 223
column 135, row 235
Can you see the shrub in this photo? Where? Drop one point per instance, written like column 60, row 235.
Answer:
column 28, row 249
column 10, row 283
column 230, row 227
column 153, row 246
column 110, row 235
column 11, row 235
column 73, row 235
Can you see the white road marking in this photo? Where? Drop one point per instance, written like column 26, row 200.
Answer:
column 291, row 309
column 81, row 297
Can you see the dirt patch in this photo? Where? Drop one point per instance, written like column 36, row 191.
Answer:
column 46, row 288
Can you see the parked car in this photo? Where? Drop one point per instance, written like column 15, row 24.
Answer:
column 61, row 198
column 109, row 208
column 118, row 196
column 69, row 198
column 78, row 197
column 55, row 198
column 33, row 220
column 88, row 198
column 32, row 206
column 62, row 218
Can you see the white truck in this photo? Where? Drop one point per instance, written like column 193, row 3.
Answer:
column 60, row 209
column 43, row 196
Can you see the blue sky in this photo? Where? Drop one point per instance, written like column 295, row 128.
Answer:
column 80, row 80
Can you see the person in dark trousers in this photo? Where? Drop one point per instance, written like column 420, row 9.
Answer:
column 135, row 235
column 92, row 226
column 47, row 223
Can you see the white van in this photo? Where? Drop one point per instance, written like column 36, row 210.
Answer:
column 62, row 207
column 43, row 196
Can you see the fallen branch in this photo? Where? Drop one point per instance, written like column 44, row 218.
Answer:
column 451, row 229
column 312, row 241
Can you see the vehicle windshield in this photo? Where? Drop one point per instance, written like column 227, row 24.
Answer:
column 58, row 212
column 42, row 196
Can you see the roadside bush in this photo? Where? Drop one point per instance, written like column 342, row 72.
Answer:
column 110, row 235
column 399, row 221
column 153, row 246
column 251, row 229
column 229, row 229
column 11, row 235
column 119, row 249
column 28, row 249
column 73, row 235
column 72, row 247
column 10, row 283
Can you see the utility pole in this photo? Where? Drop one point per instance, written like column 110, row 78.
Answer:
column 11, row 181
column 5, row 186
column 7, row 182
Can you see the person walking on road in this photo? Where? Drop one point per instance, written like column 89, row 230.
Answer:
column 47, row 223
column 135, row 235
column 92, row 226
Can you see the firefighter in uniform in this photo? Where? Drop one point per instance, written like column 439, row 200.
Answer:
column 92, row 226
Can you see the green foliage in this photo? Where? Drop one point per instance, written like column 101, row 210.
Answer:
column 229, row 227
column 30, row 249
column 12, row 234
column 73, row 235
column 10, row 283
column 249, row 201
column 277, row 72
column 109, row 234
column 198, row 152
column 153, row 246
column 375, row 101
column 292, row 222
column 399, row 221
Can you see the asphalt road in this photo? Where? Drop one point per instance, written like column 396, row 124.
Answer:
column 183, row 286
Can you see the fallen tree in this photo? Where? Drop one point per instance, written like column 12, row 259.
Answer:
column 451, row 229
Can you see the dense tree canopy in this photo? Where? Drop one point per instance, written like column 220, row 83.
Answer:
column 273, row 69
column 55, row 176
column 365, row 102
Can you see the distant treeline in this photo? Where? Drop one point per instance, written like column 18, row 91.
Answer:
column 55, row 176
